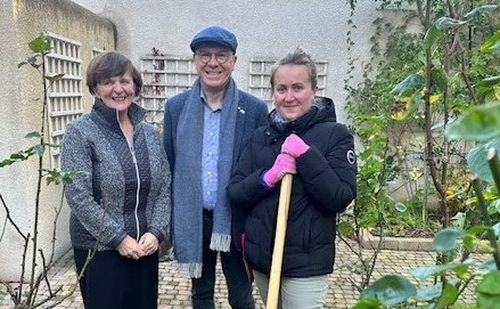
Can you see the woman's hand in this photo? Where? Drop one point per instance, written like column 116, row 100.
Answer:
column 294, row 146
column 130, row 248
column 148, row 244
column 284, row 164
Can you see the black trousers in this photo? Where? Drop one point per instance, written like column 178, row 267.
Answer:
column 238, row 285
column 111, row 281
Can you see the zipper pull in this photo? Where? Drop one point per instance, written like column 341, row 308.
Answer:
column 132, row 152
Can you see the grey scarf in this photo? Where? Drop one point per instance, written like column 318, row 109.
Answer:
column 187, row 184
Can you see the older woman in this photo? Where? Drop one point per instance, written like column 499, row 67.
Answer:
column 119, row 198
column 302, row 138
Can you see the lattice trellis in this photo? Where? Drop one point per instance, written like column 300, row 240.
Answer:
column 164, row 77
column 65, row 95
column 96, row 51
column 260, row 74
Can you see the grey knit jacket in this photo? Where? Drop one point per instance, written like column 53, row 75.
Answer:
column 106, row 199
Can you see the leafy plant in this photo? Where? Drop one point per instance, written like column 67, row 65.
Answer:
column 456, row 275
column 25, row 292
column 421, row 83
column 414, row 87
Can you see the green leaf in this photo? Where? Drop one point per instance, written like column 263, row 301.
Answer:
column 477, row 160
column 429, row 293
column 446, row 240
column 33, row 134
column 400, row 207
column 491, row 43
column 458, row 220
column 409, row 85
column 53, row 78
column 448, row 296
column 18, row 156
column 367, row 303
column 443, row 23
column 489, row 81
column 390, row 290
column 32, row 60
column 344, row 228
column 480, row 123
column 487, row 88
column 496, row 229
column 490, row 284
column 425, row 272
column 468, row 242
column 495, row 49
column 481, row 10
column 439, row 80
column 6, row 162
column 40, row 45
column 432, row 36
column 436, row 31
column 477, row 229
column 488, row 290
column 461, row 270
column 486, row 301
column 39, row 149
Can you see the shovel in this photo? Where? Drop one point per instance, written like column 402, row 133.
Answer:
column 279, row 242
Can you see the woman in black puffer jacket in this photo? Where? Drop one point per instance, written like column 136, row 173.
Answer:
column 302, row 138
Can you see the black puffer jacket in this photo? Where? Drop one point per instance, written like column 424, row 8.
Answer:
column 324, row 185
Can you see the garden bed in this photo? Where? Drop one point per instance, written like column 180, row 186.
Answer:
column 370, row 241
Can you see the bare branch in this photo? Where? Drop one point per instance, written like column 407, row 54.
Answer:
column 23, row 266
column 420, row 12
column 13, row 294
column 54, row 226
column 48, row 298
column 11, row 220
column 4, row 226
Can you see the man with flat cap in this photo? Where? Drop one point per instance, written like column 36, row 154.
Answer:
column 205, row 131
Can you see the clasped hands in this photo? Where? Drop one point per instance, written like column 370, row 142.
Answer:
column 131, row 248
column 292, row 148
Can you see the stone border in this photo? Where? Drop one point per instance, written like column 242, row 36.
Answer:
column 368, row 241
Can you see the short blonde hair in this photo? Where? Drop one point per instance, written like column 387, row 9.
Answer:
column 297, row 57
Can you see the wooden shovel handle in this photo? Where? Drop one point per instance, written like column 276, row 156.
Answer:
column 279, row 242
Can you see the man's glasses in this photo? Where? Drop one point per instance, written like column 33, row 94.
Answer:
column 221, row 57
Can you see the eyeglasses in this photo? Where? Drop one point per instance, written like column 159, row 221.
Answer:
column 221, row 58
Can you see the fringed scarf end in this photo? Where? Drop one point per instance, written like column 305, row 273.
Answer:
column 190, row 270
column 220, row 242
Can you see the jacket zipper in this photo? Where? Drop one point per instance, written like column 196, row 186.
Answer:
column 136, row 167
column 138, row 189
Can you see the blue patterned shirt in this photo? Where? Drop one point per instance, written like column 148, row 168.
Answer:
column 210, row 155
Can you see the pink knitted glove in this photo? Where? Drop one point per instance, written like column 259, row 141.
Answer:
column 284, row 164
column 294, row 146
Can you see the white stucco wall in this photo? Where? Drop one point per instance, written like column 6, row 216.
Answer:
column 263, row 29
column 20, row 22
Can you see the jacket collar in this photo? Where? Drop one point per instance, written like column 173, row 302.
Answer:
column 107, row 115
column 322, row 110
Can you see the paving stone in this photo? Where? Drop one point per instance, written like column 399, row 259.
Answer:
column 175, row 290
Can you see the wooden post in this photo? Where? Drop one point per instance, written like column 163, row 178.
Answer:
column 279, row 242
